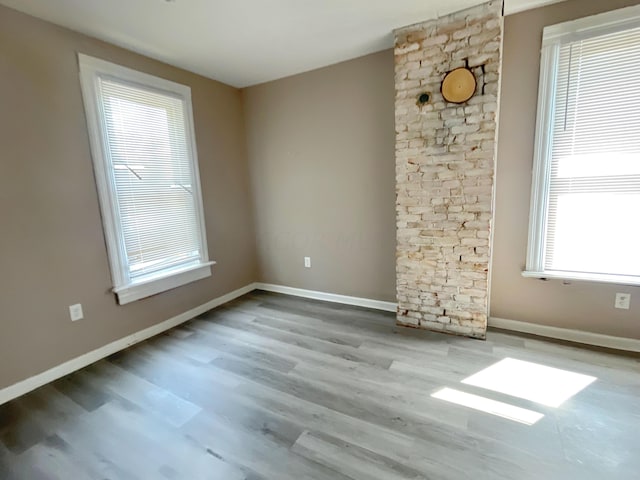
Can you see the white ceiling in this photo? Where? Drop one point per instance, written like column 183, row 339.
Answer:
column 246, row 42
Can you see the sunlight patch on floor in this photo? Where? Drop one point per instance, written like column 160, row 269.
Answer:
column 530, row 381
column 501, row 409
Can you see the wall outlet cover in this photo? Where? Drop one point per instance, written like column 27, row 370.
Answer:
column 75, row 312
column 623, row 301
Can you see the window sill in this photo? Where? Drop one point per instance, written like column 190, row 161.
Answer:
column 175, row 278
column 585, row 277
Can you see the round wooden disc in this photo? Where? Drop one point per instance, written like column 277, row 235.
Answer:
column 458, row 85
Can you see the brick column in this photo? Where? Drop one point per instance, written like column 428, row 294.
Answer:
column 445, row 167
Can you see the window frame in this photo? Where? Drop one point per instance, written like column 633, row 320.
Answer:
column 553, row 38
column 127, row 290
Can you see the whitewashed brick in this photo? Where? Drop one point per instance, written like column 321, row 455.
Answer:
column 445, row 160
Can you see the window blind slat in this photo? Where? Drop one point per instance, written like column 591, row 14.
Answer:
column 153, row 176
column 594, row 187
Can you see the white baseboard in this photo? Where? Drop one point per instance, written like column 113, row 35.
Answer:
column 25, row 386
column 329, row 297
column 577, row 336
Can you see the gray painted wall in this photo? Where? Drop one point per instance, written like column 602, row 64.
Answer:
column 579, row 305
column 322, row 173
column 321, row 155
column 52, row 250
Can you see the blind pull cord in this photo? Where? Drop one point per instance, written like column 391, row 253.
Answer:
column 133, row 171
column 566, row 96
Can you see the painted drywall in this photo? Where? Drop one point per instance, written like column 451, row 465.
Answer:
column 578, row 305
column 321, row 155
column 52, row 250
column 321, row 151
column 322, row 175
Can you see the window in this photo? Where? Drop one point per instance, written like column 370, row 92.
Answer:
column 145, row 163
column 585, row 205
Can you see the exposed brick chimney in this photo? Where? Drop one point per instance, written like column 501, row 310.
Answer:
column 445, row 168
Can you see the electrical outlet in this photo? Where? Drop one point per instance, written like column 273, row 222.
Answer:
column 623, row 301
column 75, row 312
column 307, row 262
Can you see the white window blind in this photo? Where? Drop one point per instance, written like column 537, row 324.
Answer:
column 585, row 217
column 593, row 221
column 141, row 131
column 145, row 131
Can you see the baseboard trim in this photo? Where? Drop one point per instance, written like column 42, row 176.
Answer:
column 29, row 384
column 25, row 386
column 328, row 297
column 577, row 336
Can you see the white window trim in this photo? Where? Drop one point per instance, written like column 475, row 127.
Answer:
column 553, row 37
column 127, row 290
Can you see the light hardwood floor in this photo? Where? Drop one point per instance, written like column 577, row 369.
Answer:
column 277, row 387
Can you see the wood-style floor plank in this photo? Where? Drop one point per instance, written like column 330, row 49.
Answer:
column 276, row 387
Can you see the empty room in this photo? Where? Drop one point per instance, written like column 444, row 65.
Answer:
column 325, row 240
